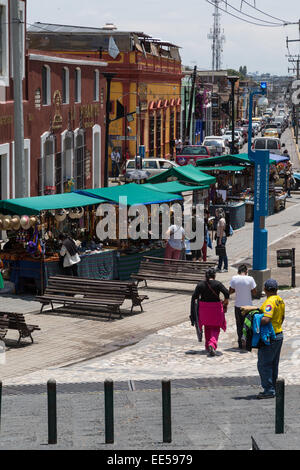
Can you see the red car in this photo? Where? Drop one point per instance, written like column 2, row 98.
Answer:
column 191, row 153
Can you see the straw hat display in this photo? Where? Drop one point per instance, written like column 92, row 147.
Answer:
column 61, row 215
column 80, row 212
column 7, row 222
column 15, row 222
column 75, row 213
column 25, row 222
column 33, row 220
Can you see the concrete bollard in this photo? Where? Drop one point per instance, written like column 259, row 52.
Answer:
column 109, row 411
column 52, row 412
column 166, row 411
column 279, row 413
column 0, row 402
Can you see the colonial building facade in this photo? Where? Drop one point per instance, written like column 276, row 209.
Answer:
column 147, row 81
column 64, row 104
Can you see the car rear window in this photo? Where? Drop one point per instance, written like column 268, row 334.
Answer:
column 260, row 144
column 193, row 151
column 212, row 142
column 272, row 144
column 130, row 164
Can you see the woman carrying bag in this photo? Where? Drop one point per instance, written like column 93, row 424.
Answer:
column 211, row 310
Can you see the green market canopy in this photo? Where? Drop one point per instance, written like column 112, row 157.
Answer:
column 187, row 173
column 174, row 187
column 35, row 205
column 227, row 168
column 136, row 194
column 240, row 159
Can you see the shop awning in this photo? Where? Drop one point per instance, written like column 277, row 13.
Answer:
column 187, row 173
column 136, row 194
column 227, row 168
column 240, row 159
column 35, row 205
column 175, row 187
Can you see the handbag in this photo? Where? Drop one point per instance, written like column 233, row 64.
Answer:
column 221, row 250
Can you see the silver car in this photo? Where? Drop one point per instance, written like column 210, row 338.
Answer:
column 153, row 166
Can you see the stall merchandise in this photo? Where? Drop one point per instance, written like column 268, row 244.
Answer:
column 31, row 253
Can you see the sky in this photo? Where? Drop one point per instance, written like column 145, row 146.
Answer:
column 187, row 24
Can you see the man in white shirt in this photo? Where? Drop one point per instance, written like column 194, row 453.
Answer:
column 244, row 287
column 115, row 161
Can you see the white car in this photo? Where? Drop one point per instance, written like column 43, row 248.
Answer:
column 237, row 137
column 267, row 143
column 153, row 166
column 215, row 140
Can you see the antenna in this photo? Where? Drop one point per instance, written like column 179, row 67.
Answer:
column 217, row 37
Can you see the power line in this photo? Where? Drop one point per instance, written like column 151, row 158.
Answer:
column 264, row 13
column 243, row 19
column 250, row 16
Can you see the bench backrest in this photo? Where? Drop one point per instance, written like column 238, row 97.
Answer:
column 89, row 286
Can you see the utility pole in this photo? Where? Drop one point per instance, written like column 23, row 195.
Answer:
column 297, row 76
column 188, row 128
column 109, row 77
column 18, row 61
column 233, row 81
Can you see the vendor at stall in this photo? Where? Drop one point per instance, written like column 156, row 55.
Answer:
column 69, row 253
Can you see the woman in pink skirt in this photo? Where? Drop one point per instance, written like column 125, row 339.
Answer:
column 208, row 310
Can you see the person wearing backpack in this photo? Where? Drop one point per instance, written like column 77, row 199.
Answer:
column 268, row 356
column 244, row 287
column 209, row 310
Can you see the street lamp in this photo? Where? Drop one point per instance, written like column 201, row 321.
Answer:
column 232, row 80
column 109, row 77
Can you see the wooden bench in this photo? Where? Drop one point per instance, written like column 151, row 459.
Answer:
column 16, row 321
column 57, row 283
column 3, row 327
column 83, row 295
column 161, row 269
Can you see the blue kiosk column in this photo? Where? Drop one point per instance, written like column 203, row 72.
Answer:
column 261, row 158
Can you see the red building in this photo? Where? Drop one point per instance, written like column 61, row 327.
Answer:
column 64, row 105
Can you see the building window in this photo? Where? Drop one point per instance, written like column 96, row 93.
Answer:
column 4, row 75
column 77, row 86
column 5, row 171
column 65, row 85
column 46, row 85
column 68, row 155
column 96, row 85
column 47, row 165
column 97, row 156
column 79, row 163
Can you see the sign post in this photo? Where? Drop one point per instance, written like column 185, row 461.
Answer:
column 261, row 158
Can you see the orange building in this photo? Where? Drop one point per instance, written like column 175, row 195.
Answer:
column 147, row 81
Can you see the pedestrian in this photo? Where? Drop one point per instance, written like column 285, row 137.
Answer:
column 221, row 240
column 70, row 255
column 206, row 235
column 288, row 178
column 178, row 144
column 115, row 161
column 268, row 356
column 175, row 237
column 172, row 146
column 210, row 309
column 244, row 287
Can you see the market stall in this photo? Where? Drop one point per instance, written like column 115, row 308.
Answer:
column 31, row 253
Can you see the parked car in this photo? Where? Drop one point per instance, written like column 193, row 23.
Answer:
column 267, row 143
column 191, row 153
column 153, row 166
column 238, row 139
column 215, row 144
column 275, row 126
column 271, row 133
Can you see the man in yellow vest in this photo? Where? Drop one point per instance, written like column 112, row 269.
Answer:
column 268, row 355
